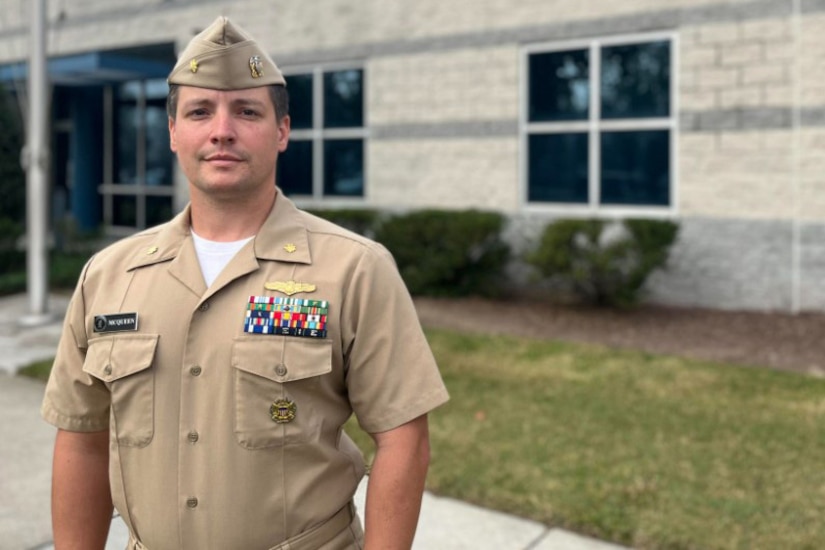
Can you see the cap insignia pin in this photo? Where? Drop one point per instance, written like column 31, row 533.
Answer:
column 256, row 67
column 283, row 411
column 290, row 248
column 193, row 65
column 289, row 287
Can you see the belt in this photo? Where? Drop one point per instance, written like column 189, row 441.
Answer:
column 311, row 539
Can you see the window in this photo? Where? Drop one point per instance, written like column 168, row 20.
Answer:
column 138, row 192
column 599, row 123
column 325, row 156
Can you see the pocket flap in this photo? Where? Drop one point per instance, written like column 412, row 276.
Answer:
column 281, row 358
column 113, row 357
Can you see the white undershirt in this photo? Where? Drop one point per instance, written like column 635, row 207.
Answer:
column 213, row 255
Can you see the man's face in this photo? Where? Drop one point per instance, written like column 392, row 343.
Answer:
column 227, row 142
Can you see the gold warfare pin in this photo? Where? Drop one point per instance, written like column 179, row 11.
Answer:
column 289, row 287
column 283, row 411
column 256, row 67
column 290, row 248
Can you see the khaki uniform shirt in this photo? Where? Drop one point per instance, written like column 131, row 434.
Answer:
column 189, row 396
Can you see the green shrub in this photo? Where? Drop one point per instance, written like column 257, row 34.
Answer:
column 360, row 220
column 11, row 258
column 604, row 263
column 12, row 177
column 442, row 253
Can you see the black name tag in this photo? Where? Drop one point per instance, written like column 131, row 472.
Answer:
column 116, row 322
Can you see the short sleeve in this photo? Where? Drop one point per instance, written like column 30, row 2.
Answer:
column 74, row 400
column 391, row 374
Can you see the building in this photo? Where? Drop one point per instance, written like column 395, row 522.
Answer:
column 709, row 112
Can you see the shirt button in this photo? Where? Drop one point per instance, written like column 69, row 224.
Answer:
column 193, row 437
column 192, row 502
column 107, row 370
column 204, row 306
column 281, row 370
column 195, row 371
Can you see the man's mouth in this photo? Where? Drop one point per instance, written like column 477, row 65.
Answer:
column 222, row 159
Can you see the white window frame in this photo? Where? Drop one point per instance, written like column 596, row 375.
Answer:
column 319, row 135
column 140, row 191
column 594, row 127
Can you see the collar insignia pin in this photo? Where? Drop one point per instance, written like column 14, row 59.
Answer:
column 289, row 287
column 290, row 248
column 283, row 411
column 151, row 250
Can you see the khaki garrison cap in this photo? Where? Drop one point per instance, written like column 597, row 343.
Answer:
column 225, row 57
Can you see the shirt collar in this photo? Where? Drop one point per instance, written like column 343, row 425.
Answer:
column 283, row 237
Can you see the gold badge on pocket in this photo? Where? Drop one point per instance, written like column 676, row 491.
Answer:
column 283, row 411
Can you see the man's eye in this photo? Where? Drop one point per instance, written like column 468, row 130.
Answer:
column 198, row 113
column 249, row 112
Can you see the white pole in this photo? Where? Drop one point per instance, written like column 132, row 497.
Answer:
column 37, row 166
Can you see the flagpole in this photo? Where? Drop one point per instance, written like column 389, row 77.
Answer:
column 37, row 166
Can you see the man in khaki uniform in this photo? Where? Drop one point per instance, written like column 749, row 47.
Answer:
column 207, row 365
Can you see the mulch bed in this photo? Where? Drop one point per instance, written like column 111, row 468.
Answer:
column 776, row 340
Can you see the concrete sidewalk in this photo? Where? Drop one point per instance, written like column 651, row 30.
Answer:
column 25, row 466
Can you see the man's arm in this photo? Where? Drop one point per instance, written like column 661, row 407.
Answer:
column 396, row 485
column 81, row 497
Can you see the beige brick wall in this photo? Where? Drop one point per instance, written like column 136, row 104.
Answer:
column 454, row 173
column 729, row 65
column 812, row 61
column 812, row 174
column 461, row 85
column 737, row 174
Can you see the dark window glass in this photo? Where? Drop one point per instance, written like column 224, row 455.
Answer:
column 295, row 168
column 128, row 121
column 343, row 99
column 558, row 168
column 158, row 210
column 158, row 154
column 559, row 86
column 124, row 210
column 636, row 167
column 636, row 80
column 344, row 167
column 299, row 87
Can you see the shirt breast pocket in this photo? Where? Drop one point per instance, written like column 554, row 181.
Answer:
column 124, row 363
column 277, row 386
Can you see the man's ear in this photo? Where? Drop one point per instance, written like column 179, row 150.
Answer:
column 283, row 133
column 173, row 141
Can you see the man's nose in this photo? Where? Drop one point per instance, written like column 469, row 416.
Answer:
column 223, row 128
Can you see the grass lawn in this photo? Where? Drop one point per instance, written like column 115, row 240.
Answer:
column 648, row 451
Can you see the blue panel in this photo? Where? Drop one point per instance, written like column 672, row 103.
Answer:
column 90, row 68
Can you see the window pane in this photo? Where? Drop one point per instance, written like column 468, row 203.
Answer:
column 299, row 87
column 124, row 210
column 559, row 86
column 636, row 167
column 295, row 168
column 128, row 121
column 558, row 168
column 343, row 99
column 636, row 80
column 157, row 88
column 158, row 154
column 158, row 210
column 344, row 167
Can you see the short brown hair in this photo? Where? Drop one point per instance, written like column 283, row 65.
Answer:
column 277, row 94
